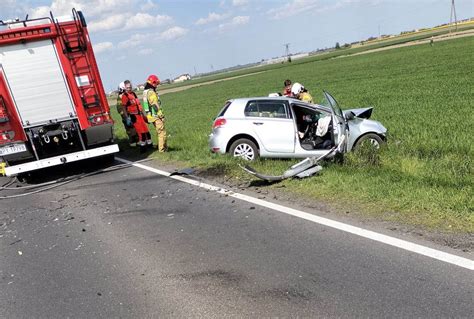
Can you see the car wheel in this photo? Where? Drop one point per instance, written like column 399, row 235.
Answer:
column 370, row 139
column 245, row 149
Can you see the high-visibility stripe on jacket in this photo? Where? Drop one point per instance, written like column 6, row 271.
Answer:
column 150, row 99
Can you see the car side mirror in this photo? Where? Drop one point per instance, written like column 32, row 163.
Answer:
column 350, row 116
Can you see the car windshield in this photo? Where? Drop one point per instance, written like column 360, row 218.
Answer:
column 331, row 102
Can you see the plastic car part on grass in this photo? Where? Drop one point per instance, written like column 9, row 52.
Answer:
column 307, row 167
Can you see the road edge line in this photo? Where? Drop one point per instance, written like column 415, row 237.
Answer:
column 385, row 239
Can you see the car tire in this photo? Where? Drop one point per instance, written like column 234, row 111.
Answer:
column 245, row 149
column 372, row 138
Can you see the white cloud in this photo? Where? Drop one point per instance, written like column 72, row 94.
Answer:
column 236, row 21
column 145, row 20
column 9, row 3
column 103, row 46
column 211, row 17
column 148, row 6
column 173, row 33
column 112, row 22
column 146, row 51
column 140, row 38
column 296, row 7
column 293, row 8
column 104, row 15
column 134, row 41
column 238, row 3
column 240, row 20
column 64, row 7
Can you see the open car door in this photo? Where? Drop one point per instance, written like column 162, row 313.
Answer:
column 341, row 129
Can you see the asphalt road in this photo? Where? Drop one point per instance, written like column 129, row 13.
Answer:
column 132, row 244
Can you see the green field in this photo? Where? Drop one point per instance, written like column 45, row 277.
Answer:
column 375, row 44
column 422, row 94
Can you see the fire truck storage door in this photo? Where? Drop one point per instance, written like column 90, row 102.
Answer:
column 36, row 82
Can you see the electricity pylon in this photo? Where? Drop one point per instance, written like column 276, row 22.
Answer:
column 453, row 14
column 287, row 51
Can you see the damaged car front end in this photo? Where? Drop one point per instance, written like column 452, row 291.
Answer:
column 283, row 127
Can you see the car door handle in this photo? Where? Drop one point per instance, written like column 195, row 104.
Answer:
column 258, row 123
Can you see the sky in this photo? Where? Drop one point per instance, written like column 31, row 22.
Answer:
column 135, row 38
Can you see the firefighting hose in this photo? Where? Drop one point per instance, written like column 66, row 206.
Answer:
column 58, row 182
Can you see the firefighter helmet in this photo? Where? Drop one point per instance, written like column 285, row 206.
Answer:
column 297, row 88
column 153, row 80
column 121, row 87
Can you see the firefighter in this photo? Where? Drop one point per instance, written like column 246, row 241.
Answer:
column 135, row 116
column 154, row 110
column 129, row 129
column 298, row 91
column 287, row 88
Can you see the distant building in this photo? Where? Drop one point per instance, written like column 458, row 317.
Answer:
column 182, row 78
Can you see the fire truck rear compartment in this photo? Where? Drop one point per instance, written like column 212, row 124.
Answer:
column 36, row 82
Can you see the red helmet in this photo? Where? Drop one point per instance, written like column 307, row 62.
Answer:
column 153, row 80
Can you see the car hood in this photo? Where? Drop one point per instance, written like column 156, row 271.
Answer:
column 363, row 113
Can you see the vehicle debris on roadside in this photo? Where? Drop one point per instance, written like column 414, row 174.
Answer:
column 306, row 168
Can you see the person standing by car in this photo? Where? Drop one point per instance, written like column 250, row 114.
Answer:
column 298, row 91
column 129, row 129
column 134, row 115
column 154, row 110
column 287, row 88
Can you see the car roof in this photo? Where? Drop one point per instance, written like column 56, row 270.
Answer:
column 244, row 100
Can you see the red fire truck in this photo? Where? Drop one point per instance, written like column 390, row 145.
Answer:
column 53, row 108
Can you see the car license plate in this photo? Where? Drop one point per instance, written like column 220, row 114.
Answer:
column 7, row 150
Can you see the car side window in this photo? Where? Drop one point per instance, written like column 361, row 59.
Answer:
column 270, row 109
column 251, row 109
column 224, row 109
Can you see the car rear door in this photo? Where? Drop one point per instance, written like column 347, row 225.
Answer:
column 272, row 123
column 340, row 126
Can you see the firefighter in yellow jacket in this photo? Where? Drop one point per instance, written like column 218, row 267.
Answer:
column 299, row 91
column 154, row 110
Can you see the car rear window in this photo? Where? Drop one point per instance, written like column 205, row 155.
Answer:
column 275, row 109
column 224, row 109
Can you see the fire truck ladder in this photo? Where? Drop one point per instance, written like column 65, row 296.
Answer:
column 75, row 49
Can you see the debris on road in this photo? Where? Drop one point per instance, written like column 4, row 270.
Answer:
column 305, row 168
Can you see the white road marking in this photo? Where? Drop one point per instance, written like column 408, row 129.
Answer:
column 392, row 241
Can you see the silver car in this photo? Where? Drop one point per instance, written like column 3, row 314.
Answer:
column 285, row 127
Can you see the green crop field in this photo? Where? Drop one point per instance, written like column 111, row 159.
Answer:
column 374, row 44
column 422, row 94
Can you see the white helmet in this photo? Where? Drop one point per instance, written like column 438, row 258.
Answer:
column 297, row 88
column 121, row 87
